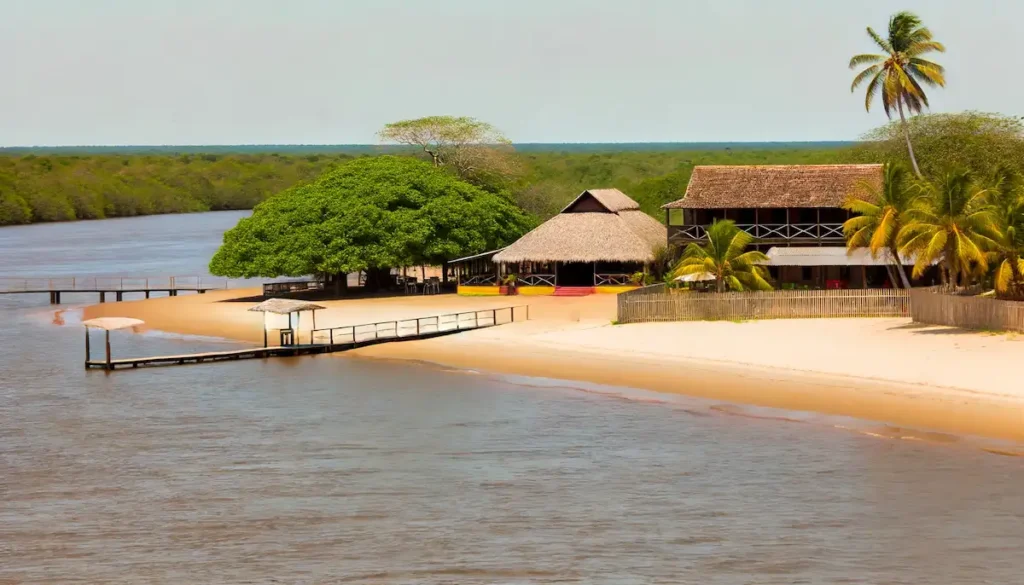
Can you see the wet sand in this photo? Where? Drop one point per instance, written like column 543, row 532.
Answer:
column 876, row 369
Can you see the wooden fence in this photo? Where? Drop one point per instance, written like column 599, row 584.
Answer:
column 656, row 303
column 938, row 307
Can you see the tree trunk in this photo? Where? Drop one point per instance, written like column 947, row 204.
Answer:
column 899, row 268
column 892, row 275
column 720, row 284
column 906, row 135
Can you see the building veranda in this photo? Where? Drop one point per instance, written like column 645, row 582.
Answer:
column 597, row 243
column 796, row 214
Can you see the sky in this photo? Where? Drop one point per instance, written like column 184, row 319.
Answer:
column 113, row 72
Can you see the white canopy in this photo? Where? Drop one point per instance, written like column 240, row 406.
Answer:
column 113, row 323
column 827, row 256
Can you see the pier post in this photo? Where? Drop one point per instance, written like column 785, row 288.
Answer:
column 87, row 348
column 119, row 295
column 108, row 350
column 103, row 297
column 56, row 297
column 173, row 292
column 147, row 293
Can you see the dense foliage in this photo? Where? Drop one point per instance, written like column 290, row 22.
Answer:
column 35, row 188
column 368, row 214
column 978, row 141
column 60, row 188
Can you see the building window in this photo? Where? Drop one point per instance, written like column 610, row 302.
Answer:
column 675, row 217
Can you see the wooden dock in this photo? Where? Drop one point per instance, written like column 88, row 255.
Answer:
column 119, row 286
column 335, row 339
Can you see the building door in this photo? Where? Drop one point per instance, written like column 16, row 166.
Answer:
column 575, row 274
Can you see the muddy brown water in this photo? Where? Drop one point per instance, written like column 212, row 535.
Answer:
column 341, row 470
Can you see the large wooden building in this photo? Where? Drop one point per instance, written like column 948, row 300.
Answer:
column 795, row 212
column 596, row 244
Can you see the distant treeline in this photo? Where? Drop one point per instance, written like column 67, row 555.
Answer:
column 361, row 149
column 60, row 187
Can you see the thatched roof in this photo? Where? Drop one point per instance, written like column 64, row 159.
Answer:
column 611, row 199
column 614, row 231
column 285, row 306
column 727, row 187
column 113, row 323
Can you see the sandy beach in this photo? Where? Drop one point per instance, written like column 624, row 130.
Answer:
column 888, row 370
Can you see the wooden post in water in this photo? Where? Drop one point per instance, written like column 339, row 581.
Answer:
column 87, row 348
column 108, row 350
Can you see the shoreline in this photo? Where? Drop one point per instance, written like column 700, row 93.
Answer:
column 894, row 373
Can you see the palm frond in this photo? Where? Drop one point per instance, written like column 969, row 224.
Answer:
column 858, row 60
column 882, row 43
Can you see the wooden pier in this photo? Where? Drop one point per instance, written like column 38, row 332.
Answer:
column 327, row 340
column 119, row 286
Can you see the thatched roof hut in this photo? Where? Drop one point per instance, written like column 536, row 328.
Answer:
column 777, row 186
column 285, row 306
column 600, row 225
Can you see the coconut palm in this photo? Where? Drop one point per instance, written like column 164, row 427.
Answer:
column 881, row 217
column 1007, row 198
column 724, row 257
column 951, row 222
column 899, row 73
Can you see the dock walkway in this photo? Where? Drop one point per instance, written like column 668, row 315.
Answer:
column 118, row 285
column 336, row 339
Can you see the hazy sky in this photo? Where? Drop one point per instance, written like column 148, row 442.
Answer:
column 334, row 71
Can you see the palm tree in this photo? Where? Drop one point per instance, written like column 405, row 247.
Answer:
column 1007, row 197
column 724, row 257
column 951, row 222
column 899, row 73
column 881, row 217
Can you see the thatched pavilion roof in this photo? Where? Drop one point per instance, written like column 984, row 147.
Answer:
column 113, row 323
column 601, row 225
column 285, row 306
column 729, row 187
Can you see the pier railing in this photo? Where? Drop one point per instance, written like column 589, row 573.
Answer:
column 418, row 327
column 109, row 283
column 656, row 303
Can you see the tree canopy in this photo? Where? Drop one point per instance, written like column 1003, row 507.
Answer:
column 979, row 141
column 476, row 151
column 370, row 213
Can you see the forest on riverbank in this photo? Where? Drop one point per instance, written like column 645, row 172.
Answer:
column 63, row 187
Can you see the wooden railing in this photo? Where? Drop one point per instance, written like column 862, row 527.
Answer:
column 479, row 280
column 768, row 231
column 110, row 283
column 656, row 303
column 414, row 328
column 935, row 306
column 613, row 279
column 291, row 286
column 536, row 280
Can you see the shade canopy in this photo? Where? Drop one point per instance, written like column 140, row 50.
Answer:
column 285, row 306
column 698, row 277
column 777, row 186
column 828, row 256
column 113, row 323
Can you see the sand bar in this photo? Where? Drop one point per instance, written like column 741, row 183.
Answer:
column 877, row 369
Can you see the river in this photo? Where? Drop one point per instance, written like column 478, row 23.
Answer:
column 345, row 470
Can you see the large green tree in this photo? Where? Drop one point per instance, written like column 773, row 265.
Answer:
column 1007, row 255
column 899, row 73
column 369, row 214
column 475, row 150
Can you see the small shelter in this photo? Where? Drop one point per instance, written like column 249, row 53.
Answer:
column 107, row 324
column 284, row 315
column 599, row 240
